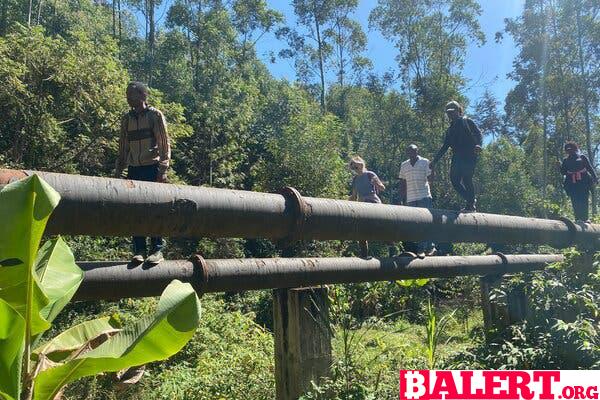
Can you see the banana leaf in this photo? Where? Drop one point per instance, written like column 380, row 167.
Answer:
column 58, row 275
column 74, row 338
column 25, row 207
column 12, row 326
column 151, row 339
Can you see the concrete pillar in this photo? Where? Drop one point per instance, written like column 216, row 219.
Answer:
column 302, row 339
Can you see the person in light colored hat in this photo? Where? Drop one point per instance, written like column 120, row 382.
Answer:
column 365, row 187
column 465, row 139
column 415, row 177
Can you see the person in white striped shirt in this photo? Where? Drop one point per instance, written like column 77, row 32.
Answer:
column 415, row 177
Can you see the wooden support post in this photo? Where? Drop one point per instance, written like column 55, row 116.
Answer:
column 585, row 262
column 497, row 316
column 490, row 311
column 302, row 339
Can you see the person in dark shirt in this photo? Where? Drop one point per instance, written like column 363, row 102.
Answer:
column 465, row 139
column 579, row 179
column 365, row 187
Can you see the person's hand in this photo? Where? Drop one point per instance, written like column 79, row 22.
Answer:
column 477, row 149
column 162, row 178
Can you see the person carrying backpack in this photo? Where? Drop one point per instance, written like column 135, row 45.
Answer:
column 579, row 179
column 465, row 139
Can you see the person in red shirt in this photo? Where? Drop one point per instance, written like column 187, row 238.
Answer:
column 579, row 179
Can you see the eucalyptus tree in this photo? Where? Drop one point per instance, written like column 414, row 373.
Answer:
column 555, row 94
column 307, row 44
column 348, row 41
column 222, row 86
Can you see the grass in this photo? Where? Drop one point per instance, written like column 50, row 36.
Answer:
column 407, row 342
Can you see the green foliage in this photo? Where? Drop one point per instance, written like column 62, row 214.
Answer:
column 229, row 357
column 58, row 101
column 431, row 38
column 154, row 338
column 505, row 186
column 233, row 125
column 303, row 153
column 555, row 93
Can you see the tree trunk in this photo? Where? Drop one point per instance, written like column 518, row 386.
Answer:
column 29, row 13
column 39, row 14
column 321, row 63
column 151, row 40
column 120, row 23
column 544, row 115
column 3, row 17
column 341, row 55
column 114, row 18
column 586, row 102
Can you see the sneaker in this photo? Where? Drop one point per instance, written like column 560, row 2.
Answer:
column 421, row 255
column 469, row 209
column 432, row 252
column 155, row 258
column 137, row 259
column 407, row 254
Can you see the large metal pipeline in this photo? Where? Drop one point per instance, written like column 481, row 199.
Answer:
column 119, row 207
column 115, row 280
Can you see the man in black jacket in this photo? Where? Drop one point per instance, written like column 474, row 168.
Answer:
column 465, row 139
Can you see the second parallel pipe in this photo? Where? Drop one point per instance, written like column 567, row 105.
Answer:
column 114, row 280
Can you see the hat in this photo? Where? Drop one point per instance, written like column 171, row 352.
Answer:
column 453, row 106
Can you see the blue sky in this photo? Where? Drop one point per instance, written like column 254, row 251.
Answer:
column 485, row 66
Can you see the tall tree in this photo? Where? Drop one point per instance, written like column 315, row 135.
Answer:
column 148, row 10
column 226, row 86
column 487, row 116
column 587, row 22
column 308, row 46
column 348, row 40
column 253, row 19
